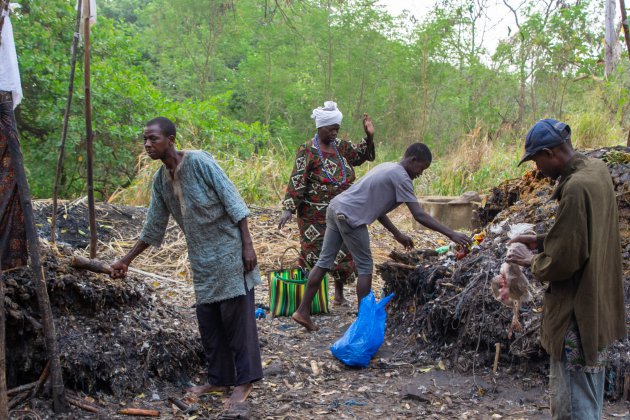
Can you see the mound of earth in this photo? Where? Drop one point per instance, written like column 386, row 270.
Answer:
column 444, row 307
column 114, row 336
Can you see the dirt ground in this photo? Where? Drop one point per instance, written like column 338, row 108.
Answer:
column 302, row 378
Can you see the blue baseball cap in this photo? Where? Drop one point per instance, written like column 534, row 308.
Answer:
column 545, row 134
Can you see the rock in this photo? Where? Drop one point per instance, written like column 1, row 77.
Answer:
column 275, row 368
column 415, row 392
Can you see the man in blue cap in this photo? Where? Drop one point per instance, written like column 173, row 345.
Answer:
column 580, row 260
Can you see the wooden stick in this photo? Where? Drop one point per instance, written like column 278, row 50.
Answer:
column 18, row 399
column 181, row 405
column 155, row 276
column 88, row 127
column 4, row 399
column 43, row 377
column 21, row 388
column 64, row 129
column 83, row 405
column 96, row 266
column 39, row 281
column 626, row 387
column 497, row 352
column 139, row 412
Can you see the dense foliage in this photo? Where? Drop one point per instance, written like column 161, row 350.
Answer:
column 240, row 78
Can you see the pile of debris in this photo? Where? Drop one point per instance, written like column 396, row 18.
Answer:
column 115, row 336
column 445, row 309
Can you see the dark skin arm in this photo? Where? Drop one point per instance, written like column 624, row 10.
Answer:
column 368, row 128
column 520, row 257
column 249, row 255
column 284, row 218
column 425, row 219
column 404, row 240
column 119, row 268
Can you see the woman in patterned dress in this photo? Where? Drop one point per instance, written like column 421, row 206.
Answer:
column 324, row 168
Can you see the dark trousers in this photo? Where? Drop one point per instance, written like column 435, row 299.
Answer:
column 230, row 340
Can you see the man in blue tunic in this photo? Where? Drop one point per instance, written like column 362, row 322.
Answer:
column 192, row 188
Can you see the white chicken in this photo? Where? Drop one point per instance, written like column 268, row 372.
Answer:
column 511, row 288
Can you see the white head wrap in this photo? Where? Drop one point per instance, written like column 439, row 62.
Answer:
column 328, row 115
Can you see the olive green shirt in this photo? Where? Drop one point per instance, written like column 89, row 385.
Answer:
column 581, row 261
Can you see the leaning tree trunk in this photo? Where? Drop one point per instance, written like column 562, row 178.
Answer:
column 7, row 123
column 4, row 401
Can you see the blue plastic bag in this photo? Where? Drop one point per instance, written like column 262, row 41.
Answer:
column 366, row 334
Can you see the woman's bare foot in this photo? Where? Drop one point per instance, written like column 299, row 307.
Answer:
column 207, row 388
column 304, row 321
column 239, row 395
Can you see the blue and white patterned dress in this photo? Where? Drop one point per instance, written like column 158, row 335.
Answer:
column 207, row 207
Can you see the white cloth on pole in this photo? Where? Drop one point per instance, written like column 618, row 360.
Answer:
column 9, row 71
column 92, row 13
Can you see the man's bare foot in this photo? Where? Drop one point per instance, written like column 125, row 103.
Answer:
column 207, row 388
column 304, row 321
column 239, row 395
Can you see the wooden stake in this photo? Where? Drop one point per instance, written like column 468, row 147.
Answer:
column 626, row 33
column 626, row 387
column 39, row 281
column 497, row 353
column 88, row 127
column 4, row 399
column 64, row 129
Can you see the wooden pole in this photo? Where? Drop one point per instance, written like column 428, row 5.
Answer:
column 610, row 38
column 3, row 6
column 4, row 399
column 88, row 126
column 626, row 33
column 64, row 130
column 624, row 23
column 39, row 281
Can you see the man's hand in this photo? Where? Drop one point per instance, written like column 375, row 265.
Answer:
column 368, row 127
column 284, row 218
column 461, row 239
column 118, row 270
column 249, row 258
column 404, row 240
column 530, row 241
column 520, row 255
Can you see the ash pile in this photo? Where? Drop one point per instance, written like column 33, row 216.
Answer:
column 115, row 337
column 444, row 308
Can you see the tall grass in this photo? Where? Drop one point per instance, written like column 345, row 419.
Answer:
column 475, row 163
column 593, row 129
